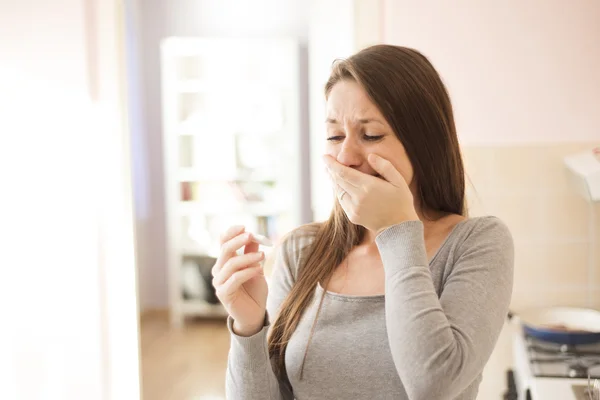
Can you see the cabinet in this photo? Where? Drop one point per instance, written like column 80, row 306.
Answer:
column 231, row 137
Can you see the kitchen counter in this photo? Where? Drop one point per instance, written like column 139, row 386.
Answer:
column 555, row 389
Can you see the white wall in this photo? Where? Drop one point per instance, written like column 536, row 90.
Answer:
column 160, row 19
column 67, row 293
column 337, row 29
column 517, row 71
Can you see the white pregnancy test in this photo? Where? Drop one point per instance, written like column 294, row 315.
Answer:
column 260, row 239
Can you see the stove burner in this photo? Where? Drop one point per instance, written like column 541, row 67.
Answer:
column 565, row 348
column 560, row 350
column 562, row 360
column 577, row 371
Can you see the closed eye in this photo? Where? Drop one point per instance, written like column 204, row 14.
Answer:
column 368, row 138
column 373, row 138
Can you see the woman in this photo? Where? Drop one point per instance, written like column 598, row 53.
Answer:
column 416, row 292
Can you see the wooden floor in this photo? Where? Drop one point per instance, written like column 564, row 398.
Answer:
column 183, row 364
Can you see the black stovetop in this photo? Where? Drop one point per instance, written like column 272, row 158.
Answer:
column 563, row 361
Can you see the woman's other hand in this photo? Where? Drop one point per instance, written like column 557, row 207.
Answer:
column 240, row 282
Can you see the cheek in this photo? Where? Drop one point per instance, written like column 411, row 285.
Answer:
column 331, row 150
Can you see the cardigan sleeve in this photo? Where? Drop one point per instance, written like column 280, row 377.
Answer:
column 441, row 344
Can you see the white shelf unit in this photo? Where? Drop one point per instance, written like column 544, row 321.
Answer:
column 231, row 138
column 202, row 308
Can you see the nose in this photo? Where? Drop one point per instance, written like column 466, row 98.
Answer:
column 350, row 154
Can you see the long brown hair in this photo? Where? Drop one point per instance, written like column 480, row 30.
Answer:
column 410, row 94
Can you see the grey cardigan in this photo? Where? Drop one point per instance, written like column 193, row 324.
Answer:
column 429, row 337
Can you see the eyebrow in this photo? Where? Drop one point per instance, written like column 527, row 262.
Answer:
column 362, row 121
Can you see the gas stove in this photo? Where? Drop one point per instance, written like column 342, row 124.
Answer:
column 546, row 371
column 551, row 360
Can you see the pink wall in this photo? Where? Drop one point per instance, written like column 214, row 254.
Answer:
column 517, row 71
column 44, row 40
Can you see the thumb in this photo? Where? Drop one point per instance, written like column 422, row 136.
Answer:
column 386, row 169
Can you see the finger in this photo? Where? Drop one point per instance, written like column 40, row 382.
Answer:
column 236, row 280
column 341, row 185
column 350, row 175
column 232, row 232
column 251, row 247
column 336, row 188
column 386, row 169
column 344, row 199
column 236, row 243
column 230, row 248
column 235, row 264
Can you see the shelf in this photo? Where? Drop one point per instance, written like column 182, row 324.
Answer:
column 194, row 86
column 208, row 86
column 276, row 134
column 190, row 251
column 258, row 209
column 216, row 161
column 201, row 308
column 192, row 175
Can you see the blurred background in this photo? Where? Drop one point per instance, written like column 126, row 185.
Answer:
column 217, row 109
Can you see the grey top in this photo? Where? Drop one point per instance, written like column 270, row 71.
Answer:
column 429, row 337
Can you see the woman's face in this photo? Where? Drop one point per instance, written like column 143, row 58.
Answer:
column 356, row 128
